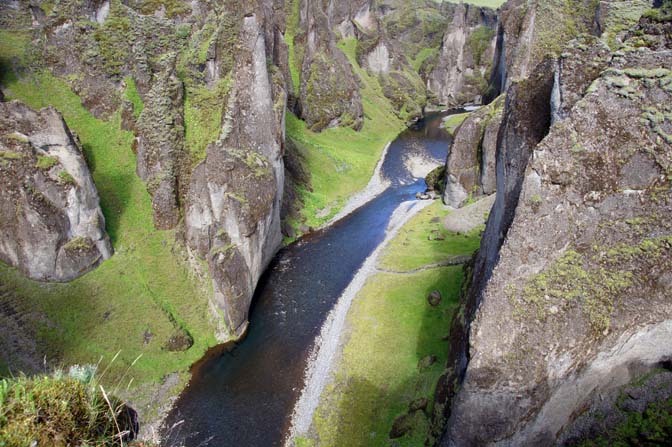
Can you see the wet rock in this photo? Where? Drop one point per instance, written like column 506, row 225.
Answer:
column 51, row 223
column 434, row 298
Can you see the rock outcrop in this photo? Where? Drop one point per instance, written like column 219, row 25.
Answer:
column 160, row 144
column 51, row 224
column 470, row 167
column 463, row 66
column 329, row 92
column 233, row 204
column 568, row 298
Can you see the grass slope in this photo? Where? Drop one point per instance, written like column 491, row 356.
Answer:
column 341, row 160
column 133, row 302
column 391, row 329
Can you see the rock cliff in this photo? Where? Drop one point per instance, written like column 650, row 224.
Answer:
column 465, row 60
column 50, row 219
column 233, row 204
column 470, row 167
column 568, row 300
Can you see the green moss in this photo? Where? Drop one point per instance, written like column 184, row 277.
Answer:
column 594, row 280
column 11, row 155
column 479, row 40
column 452, row 122
column 173, row 8
column 203, row 117
column 293, row 19
column 78, row 244
column 65, row 178
column 46, row 162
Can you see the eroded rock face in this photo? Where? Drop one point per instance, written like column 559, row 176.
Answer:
column 233, row 204
column 160, row 144
column 51, row 224
column 470, row 168
column 463, row 66
column 576, row 305
column 329, row 92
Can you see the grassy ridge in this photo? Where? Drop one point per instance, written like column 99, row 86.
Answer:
column 392, row 329
column 99, row 313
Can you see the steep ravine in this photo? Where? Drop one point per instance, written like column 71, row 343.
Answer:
column 232, row 394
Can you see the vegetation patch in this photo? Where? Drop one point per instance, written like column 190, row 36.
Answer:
column 46, row 162
column 594, row 279
column 424, row 240
column 393, row 329
column 61, row 410
column 452, row 122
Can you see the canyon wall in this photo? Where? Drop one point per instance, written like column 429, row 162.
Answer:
column 566, row 300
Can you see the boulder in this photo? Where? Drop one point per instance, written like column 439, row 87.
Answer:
column 51, row 223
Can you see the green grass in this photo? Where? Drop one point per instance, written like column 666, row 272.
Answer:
column 453, row 122
column 391, row 328
column 412, row 247
column 133, row 96
column 98, row 314
column 423, row 55
column 341, row 160
column 60, row 410
column 292, row 26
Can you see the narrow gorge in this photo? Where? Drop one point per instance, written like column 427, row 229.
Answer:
column 335, row 223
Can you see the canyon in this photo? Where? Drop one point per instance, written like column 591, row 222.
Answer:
column 158, row 155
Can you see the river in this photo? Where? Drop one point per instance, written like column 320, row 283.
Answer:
column 245, row 396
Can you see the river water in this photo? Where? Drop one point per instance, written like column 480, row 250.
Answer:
column 245, row 396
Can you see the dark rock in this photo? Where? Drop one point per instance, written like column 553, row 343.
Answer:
column 426, row 362
column 160, row 144
column 401, row 426
column 418, row 404
column 179, row 341
column 434, row 298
